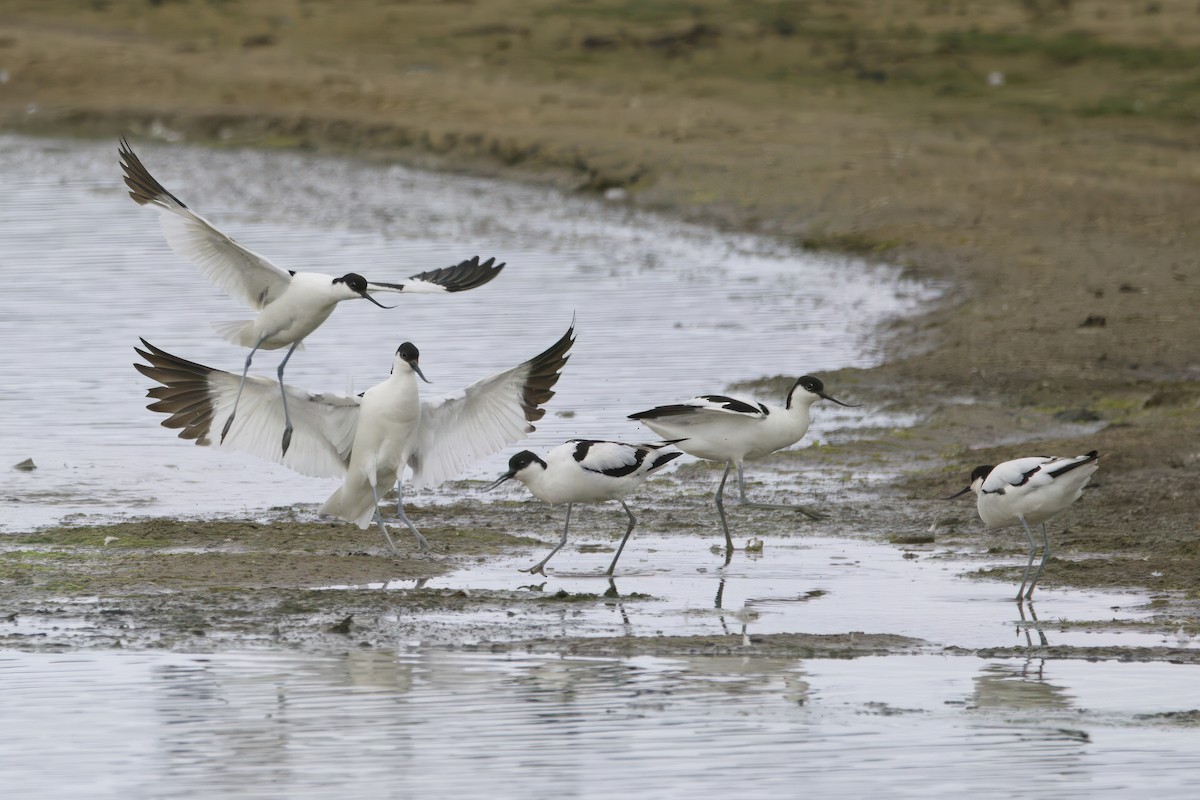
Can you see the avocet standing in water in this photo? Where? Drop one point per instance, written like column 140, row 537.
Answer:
column 717, row 427
column 587, row 471
column 369, row 439
column 1030, row 490
column 290, row 305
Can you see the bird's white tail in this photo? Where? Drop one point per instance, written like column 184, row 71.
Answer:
column 238, row 331
column 354, row 501
column 357, row 507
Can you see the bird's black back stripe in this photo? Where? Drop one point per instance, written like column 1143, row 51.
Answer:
column 1025, row 476
column 663, row 459
column 664, row 411
column 583, row 446
column 1092, row 456
column 733, row 404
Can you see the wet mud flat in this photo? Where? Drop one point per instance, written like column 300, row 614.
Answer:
column 290, row 581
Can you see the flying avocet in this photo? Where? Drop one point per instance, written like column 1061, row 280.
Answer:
column 290, row 304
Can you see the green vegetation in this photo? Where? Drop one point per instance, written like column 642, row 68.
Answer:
column 1081, row 58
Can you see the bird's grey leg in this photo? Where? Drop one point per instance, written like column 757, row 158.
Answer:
column 1041, row 566
column 379, row 519
column 287, row 420
column 538, row 568
column 721, row 510
column 1029, row 565
column 629, row 530
column 245, row 369
column 421, row 540
column 808, row 512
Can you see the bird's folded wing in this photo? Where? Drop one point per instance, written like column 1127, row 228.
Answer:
column 1019, row 472
column 235, row 270
column 465, row 275
column 460, row 429
column 199, row 400
column 610, row 458
column 704, row 407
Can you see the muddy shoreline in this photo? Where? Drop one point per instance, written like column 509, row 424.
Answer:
column 1067, row 241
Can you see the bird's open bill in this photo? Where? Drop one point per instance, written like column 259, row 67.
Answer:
column 958, row 494
column 498, row 481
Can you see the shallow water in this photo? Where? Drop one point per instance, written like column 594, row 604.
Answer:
column 675, row 586
column 396, row 723
column 665, row 311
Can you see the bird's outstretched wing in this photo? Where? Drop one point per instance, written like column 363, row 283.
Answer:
column 464, row 275
column 240, row 273
column 489, row 414
column 1033, row 471
column 705, row 407
column 199, row 399
column 618, row 459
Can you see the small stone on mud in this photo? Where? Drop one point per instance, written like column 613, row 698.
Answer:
column 342, row 627
column 26, row 466
column 754, row 545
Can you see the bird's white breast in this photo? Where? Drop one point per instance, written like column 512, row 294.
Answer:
column 389, row 417
column 301, row 309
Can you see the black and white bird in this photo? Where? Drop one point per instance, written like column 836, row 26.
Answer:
column 1030, row 490
column 366, row 440
column 290, row 304
column 717, row 427
column 587, row 471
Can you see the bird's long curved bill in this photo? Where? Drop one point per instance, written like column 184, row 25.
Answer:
column 958, row 494
column 839, row 402
column 373, row 300
column 497, row 482
column 417, row 369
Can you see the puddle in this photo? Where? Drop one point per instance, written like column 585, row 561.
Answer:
column 664, row 310
column 436, row 723
column 677, row 586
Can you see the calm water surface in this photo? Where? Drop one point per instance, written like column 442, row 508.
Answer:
column 439, row 724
